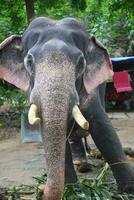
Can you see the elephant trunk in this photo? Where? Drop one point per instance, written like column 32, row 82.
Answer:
column 54, row 106
column 54, row 82
column 54, row 116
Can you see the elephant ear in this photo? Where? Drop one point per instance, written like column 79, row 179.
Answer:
column 99, row 66
column 12, row 69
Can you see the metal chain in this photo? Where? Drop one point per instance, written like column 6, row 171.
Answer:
column 71, row 130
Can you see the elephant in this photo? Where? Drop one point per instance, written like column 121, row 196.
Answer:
column 61, row 66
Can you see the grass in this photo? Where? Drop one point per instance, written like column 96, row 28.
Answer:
column 95, row 188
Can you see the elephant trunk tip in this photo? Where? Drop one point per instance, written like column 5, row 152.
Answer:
column 51, row 193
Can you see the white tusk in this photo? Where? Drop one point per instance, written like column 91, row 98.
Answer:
column 33, row 115
column 79, row 118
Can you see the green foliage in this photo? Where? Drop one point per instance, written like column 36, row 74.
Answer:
column 90, row 189
column 94, row 188
column 79, row 4
column 14, row 193
column 87, row 189
column 12, row 18
column 110, row 20
column 15, row 97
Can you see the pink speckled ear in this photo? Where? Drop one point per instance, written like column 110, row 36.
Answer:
column 99, row 66
column 11, row 63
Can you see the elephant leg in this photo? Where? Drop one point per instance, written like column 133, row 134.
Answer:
column 78, row 152
column 108, row 143
column 102, row 89
column 70, row 174
column 77, row 148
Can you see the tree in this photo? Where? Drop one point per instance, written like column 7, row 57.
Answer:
column 30, row 10
column 79, row 4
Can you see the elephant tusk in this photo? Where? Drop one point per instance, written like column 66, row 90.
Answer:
column 79, row 118
column 33, row 115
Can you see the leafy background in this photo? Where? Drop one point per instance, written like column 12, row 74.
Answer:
column 111, row 21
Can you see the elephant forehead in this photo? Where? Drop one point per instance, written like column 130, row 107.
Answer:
column 70, row 33
column 43, row 22
column 72, row 23
column 60, row 31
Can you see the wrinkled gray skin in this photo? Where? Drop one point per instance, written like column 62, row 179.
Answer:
column 60, row 65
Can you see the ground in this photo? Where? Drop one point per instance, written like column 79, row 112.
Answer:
column 20, row 162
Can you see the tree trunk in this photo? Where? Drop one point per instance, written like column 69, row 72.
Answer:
column 29, row 10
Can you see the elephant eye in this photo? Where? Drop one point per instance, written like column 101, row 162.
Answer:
column 29, row 62
column 80, row 67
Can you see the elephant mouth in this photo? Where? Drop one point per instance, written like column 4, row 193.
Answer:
column 34, row 119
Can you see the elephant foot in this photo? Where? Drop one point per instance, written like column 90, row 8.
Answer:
column 80, row 162
column 83, row 166
column 79, row 155
column 124, row 175
column 126, row 187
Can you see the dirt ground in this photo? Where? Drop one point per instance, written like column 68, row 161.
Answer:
column 20, row 162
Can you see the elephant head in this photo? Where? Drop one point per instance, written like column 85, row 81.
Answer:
column 53, row 60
